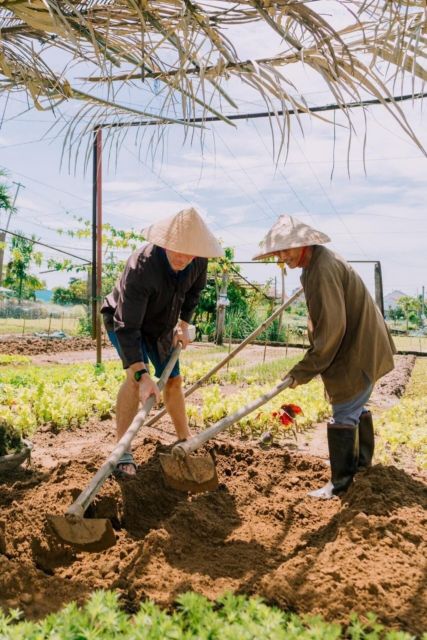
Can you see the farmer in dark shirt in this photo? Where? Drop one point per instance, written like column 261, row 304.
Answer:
column 150, row 309
column 350, row 345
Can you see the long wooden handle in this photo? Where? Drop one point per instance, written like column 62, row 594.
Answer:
column 82, row 502
column 233, row 353
column 182, row 449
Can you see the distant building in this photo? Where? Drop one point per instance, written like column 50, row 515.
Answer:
column 391, row 300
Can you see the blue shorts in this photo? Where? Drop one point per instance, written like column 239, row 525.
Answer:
column 149, row 355
column 349, row 412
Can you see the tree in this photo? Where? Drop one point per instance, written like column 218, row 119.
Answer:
column 6, row 205
column 75, row 293
column 239, row 309
column 18, row 277
column 112, row 240
column 411, row 309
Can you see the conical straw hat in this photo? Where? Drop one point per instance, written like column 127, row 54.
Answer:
column 185, row 232
column 289, row 233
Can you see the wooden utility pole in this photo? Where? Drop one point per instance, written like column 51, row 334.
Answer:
column 221, row 306
column 379, row 296
column 97, row 241
column 282, row 296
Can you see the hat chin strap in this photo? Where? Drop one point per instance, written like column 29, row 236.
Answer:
column 302, row 257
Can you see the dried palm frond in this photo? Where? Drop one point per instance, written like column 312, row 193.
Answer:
column 179, row 58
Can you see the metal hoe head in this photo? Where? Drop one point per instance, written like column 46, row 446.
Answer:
column 195, row 474
column 85, row 534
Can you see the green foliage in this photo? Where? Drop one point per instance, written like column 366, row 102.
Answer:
column 10, row 440
column 18, row 277
column 274, row 333
column 410, row 309
column 60, row 396
column 215, row 406
column 13, row 359
column 112, row 240
column 75, row 293
column 5, row 198
column 232, row 617
column 239, row 318
column 84, row 327
column 64, row 396
column 239, row 323
column 402, row 429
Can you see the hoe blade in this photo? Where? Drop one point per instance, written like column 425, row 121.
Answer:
column 195, row 474
column 84, row 533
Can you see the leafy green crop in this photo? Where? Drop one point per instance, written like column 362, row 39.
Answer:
column 61, row 396
column 215, row 406
column 195, row 618
column 65, row 396
column 403, row 427
column 14, row 359
column 10, row 440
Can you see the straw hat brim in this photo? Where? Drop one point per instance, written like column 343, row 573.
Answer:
column 185, row 232
column 289, row 233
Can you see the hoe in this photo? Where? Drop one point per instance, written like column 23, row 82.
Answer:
column 182, row 471
column 96, row 534
column 198, row 473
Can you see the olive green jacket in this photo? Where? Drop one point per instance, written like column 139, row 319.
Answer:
column 349, row 339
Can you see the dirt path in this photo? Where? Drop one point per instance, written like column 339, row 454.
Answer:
column 258, row 533
column 251, row 353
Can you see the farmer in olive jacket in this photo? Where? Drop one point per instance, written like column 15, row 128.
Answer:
column 149, row 310
column 350, row 345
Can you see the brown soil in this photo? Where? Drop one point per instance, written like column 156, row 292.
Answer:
column 31, row 345
column 258, row 533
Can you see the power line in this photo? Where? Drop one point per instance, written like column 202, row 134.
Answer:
column 296, row 195
column 43, row 244
column 340, row 217
column 268, row 114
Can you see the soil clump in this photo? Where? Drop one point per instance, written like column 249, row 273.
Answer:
column 258, row 533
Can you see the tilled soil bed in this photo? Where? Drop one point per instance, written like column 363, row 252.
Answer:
column 33, row 345
column 258, row 533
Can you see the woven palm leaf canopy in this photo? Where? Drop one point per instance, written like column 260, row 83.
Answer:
column 180, row 58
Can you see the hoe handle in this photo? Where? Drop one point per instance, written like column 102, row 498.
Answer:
column 80, row 505
column 266, row 323
column 182, row 449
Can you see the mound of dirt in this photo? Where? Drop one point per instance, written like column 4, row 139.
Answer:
column 394, row 383
column 32, row 345
column 258, row 533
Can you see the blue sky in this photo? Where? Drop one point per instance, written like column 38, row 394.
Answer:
column 235, row 183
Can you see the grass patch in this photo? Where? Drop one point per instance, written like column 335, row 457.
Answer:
column 15, row 359
column 21, row 326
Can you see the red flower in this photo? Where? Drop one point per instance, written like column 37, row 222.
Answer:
column 287, row 413
column 285, row 419
column 292, row 410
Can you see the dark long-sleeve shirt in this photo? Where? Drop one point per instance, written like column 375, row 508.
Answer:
column 349, row 339
column 148, row 300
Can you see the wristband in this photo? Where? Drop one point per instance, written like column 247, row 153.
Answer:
column 138, row 374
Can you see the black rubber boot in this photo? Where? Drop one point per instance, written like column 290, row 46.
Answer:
column 343, row 443
column 366, row 440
